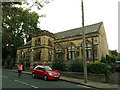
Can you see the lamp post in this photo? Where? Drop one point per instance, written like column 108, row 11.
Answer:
column 83, row 36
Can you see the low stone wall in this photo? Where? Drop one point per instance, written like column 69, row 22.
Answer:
column 92, row 77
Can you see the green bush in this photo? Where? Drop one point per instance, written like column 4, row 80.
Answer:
column 75, row 65
column 108, row 59
column 103, row 60
column 98, row 68
column 59, row 64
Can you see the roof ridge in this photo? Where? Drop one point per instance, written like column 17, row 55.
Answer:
column 79, row 27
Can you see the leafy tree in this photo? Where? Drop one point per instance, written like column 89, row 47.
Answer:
column 18, row 24
column 103, row 59
column 108, row 59
column 114, row 52
column 113, row 59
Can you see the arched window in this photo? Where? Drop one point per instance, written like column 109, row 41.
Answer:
column 71, row 52
column 59, row 52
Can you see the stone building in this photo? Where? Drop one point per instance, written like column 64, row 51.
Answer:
column 45, row 46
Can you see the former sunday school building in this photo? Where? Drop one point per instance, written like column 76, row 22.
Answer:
column 45, row 46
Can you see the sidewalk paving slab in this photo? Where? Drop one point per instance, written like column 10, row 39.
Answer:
column 93, row 84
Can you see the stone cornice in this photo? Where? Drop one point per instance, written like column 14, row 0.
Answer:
column 43, row 32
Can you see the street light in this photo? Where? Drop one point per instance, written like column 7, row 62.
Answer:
column 83, row 36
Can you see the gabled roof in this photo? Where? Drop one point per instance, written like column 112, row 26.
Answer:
column 78, row 31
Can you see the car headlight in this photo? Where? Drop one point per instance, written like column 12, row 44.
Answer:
column 50, row 73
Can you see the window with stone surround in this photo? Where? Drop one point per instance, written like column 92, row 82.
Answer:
column 78, row 53
column 22, row 56
column 28, row 58
column 49, row 55
column 37, row 56
column 49, row 43
column 71, row 52
column 88, row 50
column 95, row 51
column 59, row 52
column 37, row 42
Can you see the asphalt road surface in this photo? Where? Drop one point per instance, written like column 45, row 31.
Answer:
column 10, row 80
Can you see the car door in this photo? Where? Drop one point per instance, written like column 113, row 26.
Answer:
column 35, row 70
column 42, row 71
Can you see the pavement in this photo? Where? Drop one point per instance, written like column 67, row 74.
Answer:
column 92, row 84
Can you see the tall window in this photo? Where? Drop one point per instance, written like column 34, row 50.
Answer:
column 22, row 56
column 49, row 43
column 71, row 52
column 28, row 55
column 28, row 58
column 95, row 51
column 88, row 50
column 37, row 42
column 37, row 56
column 78, row 53
column 59, row 52
column 49, row 55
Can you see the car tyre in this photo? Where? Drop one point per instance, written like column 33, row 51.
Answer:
column 45, row 77
column 33, row 75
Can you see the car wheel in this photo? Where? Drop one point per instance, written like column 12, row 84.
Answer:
column 45, row 77
column 33, row 75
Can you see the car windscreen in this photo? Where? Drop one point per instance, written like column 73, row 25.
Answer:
column 48, row 68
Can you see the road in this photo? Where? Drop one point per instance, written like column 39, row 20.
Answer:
column 10, row 80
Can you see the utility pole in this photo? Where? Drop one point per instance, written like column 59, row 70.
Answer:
column 84, row 56
column 93, row 49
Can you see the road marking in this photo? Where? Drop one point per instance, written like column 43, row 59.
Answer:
column 3, row 76
column 83, row 86
column 33, row 86
column 25, row 84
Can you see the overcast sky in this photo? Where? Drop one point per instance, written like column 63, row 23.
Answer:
column 62, row 15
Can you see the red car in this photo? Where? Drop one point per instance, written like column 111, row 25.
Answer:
column 118, row 66
column 46, row 72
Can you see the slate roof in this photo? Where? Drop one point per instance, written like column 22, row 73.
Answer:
column 78, row 31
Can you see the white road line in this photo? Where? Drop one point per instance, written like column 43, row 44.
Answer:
column 25, row 84
column 83, row 86
column 33, row 86
column 5, row 76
